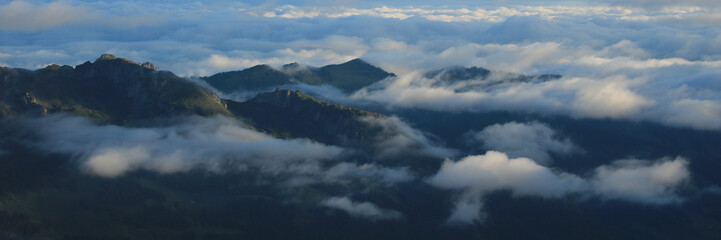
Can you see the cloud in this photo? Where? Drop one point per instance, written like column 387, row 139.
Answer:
column 215, row 144
column 370, row 172
column 608, row 100
column 464, row 14
column 629, row 180
column 22, row 15
column 397, row 138
column 642, row 181
column 494, row 171
column 532, row 140
column 26, row 16
column 361, row 209
column 664, row 5
column 699, row 114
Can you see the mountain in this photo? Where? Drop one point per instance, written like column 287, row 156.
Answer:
column 352, row 75
column 255, row 78
column 477, row 78
column 111, row 88
column 349, row 76
column 119, row 90
column 294, row 114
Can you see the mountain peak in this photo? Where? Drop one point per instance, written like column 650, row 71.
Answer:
column 106, row 56
column 357, row 61
column 149, row 65
column 113, row 59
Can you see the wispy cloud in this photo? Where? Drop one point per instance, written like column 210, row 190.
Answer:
column 361, row 209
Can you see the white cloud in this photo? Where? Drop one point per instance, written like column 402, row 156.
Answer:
column 493, row 171
column 642, row 181
column 532, row 140
column 361, row 209
column 215, row 144
column 608, row 100
column 26, row 16
column 630, row 180
column 22, row 15
column 699, row 114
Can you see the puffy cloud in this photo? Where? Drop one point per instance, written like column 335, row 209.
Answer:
column 494, row 171
column 397, row 138
column 361, row 209
column 608, row 100
column 630, row 180
column 642, row 181
column 699, row 114
column 215, row 144
column 532, row 140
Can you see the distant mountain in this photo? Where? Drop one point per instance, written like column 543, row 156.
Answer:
column 475, row 78
column 111, row 88
column 349, row 76
column 295, row 114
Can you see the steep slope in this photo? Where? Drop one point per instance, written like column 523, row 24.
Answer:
column 114, row 89
column 349, row 76
column 295, row 114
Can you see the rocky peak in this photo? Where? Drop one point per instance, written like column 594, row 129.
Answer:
column 149, row 65
column 105, row 57
column 109, row 58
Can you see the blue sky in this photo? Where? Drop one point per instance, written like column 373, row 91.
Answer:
column 636, row 60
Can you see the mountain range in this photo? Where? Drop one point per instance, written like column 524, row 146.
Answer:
column 285, row 164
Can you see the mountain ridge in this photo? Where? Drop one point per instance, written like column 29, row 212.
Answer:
column 349, row 76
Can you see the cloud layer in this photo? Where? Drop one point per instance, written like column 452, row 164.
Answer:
column 638, row 60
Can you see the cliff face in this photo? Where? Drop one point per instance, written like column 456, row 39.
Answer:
column 114, row 89
column 295, row 114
